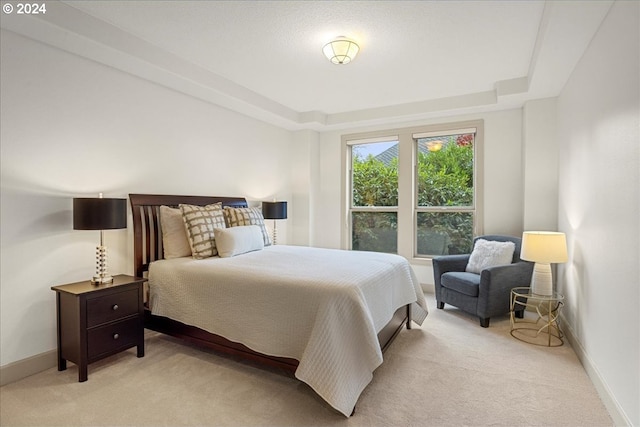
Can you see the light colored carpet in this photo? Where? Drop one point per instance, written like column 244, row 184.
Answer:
column 449, row 372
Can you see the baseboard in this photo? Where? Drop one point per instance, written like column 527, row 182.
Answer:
column 20, row 369
column 617, row 413
column 428, row 288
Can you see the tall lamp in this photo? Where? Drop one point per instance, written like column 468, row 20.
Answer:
column 274, row 210
column 100, row 214
column 543, row 248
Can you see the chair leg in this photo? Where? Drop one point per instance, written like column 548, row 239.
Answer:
column 484, row 322
column 519, row 314
column 440, row 305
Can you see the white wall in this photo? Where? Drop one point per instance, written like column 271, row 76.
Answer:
column 540, row 165
column 304, row 171
column 502, row 179
column 72, row 128
column 598, row 126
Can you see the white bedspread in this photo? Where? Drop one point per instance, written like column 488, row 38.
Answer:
column 322, row 307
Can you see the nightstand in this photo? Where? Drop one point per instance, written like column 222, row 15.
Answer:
column 96, row 321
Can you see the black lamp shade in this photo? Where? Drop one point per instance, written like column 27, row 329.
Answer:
column 274, row 210
column 99, row 214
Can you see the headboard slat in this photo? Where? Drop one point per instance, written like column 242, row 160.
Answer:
column 149, row 233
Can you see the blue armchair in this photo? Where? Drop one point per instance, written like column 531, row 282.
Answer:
column 486, row 294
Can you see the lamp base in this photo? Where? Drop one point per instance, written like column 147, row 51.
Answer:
column 275, row 232
column 542, row 279
column 101, row 280
column 101, row 276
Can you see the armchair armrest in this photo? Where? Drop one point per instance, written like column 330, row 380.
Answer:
column 447, row 263
column 507, row 276
column 496, row 284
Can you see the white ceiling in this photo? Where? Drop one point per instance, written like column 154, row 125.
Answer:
column 264, row 58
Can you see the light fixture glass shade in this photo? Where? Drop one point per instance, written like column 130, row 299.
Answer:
column 434, row 146
column 543, row 248
column 341, row 50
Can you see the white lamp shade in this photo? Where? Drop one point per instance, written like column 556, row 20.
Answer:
column 544, row 247
column 341, row 50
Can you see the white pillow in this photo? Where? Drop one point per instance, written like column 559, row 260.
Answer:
column 488, row 253
column 175, row 243
column 238, row 240
column 235, row 217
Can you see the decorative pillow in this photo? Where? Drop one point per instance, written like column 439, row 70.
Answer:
column 247, row 216
column 488, row 253
column 199, row 221
column 238, row 240
column 175, row 243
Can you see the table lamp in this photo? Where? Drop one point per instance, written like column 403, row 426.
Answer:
column 543, row 248
column 100, row 214
column 274, row 210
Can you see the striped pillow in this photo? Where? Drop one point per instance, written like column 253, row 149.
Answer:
column 199, row 221
column 247, row 216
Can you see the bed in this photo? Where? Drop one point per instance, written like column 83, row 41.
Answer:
column 322, row 315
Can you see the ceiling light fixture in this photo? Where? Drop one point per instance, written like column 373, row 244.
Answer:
column 434, row 145
column 341, row 50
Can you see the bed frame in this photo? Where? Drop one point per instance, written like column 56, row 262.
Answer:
column 147, row 247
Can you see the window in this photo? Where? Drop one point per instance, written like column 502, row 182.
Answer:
column 444, row 183
column 374, row 196
column 414, row 191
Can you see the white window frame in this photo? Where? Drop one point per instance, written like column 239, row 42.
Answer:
column 473, row 208
column 350, row 208
column 407, row 188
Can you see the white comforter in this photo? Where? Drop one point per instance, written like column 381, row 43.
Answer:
column 322, row 307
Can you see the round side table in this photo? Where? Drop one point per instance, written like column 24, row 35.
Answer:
column 544, row 329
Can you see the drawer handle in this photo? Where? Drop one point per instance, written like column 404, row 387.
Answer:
column 116, row 336
column 115, row 307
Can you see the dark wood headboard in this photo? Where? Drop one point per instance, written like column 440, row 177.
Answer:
column 147, row 234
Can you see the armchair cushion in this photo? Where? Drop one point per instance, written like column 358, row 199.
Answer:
column 487, row 254
column 465, row 283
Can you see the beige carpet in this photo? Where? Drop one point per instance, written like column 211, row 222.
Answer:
column 449, row 372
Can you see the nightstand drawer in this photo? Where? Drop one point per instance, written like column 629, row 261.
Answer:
column 112, row 307
column 112, row 337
